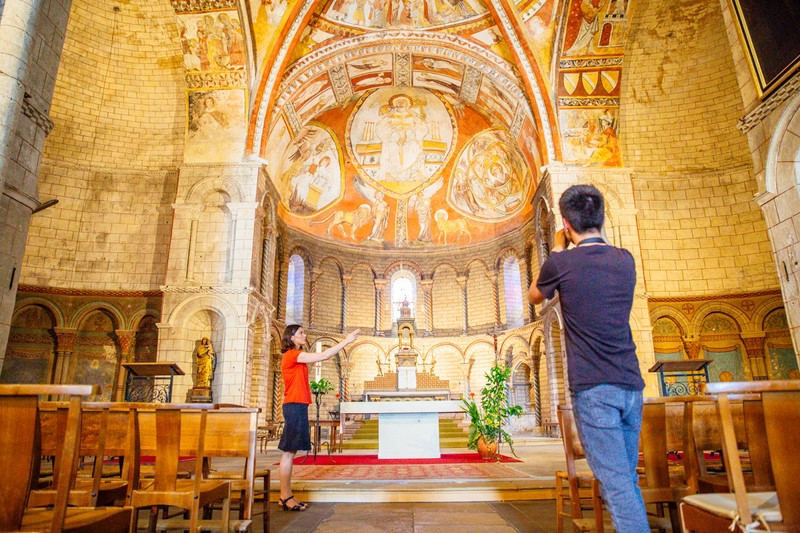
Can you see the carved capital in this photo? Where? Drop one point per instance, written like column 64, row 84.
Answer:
column 127, row 338
column 754, row 345
column 462, row 281
column 692, row 348
column 66, row 339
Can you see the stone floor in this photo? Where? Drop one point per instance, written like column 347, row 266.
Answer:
column 540, row 456
column 493, row 517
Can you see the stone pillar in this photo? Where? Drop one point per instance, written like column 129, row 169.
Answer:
column 312, row 301
column 65, row 345
column 127, row 340
column 462, row 282
column 466, row 368
column 427, row 291
column 346, row 279
column 492, row 276
column 277, row 391
column 754, row 347
column 380, row 290
column 33, row 34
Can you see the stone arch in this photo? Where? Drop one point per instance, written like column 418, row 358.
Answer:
column 204, row 187
column 737, row 315
column 211, row 302
column 58, row 316
column 81, row 313
column 665, row 311
column 780, row 161
column 32, row 350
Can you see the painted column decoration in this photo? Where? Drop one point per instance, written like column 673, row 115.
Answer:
column 277, row 390
column 346, row 279
column 492, row 276
column 66, row 338
column 462, row 282
column 536, row 399
column 312, row 302
column 427, row 289
column 754, row 346
column 127, row 340
column 692, row 347
column 466, row 367
column 380, row 288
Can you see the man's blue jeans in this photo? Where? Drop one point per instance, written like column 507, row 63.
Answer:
column 609, row 419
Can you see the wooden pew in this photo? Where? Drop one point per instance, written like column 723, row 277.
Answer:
column 779, row 509
column 20, row 456
column 107, row 430
column 169, row 432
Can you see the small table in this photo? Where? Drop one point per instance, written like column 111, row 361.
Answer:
column 333, row 437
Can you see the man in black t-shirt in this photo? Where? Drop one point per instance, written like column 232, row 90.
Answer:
column 595, row 283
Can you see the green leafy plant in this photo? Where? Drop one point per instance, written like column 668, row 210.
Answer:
column 321, row 386
column 487, row 419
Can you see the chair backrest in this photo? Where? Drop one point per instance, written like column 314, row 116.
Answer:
column 573, row 448
column 780, row 407
column 20, row 448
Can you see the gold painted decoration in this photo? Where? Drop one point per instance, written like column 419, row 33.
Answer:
column 402, row 14
column 217, row 128
column 399, row 140
column 571, row 80
column 490, row 179
column 609, row 79
column 589, row 81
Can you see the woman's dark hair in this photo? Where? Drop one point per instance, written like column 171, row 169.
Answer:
column 286, row 341
column 583, row 206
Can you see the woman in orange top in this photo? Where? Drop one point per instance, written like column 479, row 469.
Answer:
column 296, row 399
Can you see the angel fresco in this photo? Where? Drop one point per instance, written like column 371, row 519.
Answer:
column 312, row 175
column 380, row 210
column 490, row 178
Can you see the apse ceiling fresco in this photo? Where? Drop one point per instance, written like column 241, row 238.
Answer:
column 404, row 123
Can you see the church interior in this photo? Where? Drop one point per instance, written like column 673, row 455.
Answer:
column 173, row 171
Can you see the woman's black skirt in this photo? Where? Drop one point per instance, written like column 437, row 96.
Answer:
column 296, row 434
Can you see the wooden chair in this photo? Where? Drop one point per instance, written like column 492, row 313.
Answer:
column 662, row 489
column 168, row 433
column 20, row 456
column 779, row 509
column 231, row 432
column 107, row 430
column 569, row 496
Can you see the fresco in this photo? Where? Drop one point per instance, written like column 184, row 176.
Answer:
column 595, row 26
column 541, row 28
column 590, row 136
column 403, row 14
column 490, row 179
column 212, row 41
column 266, row 16
column 312, row 179
column 399, row 140
column 217, row 126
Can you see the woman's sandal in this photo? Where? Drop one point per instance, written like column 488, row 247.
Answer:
column 299, row 507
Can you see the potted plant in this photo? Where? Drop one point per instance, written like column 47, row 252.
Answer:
column 487, row 419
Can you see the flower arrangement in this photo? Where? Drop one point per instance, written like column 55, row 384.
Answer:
column 486, row 420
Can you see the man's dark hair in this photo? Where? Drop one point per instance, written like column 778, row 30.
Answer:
column 286, row 341
column 583, row 207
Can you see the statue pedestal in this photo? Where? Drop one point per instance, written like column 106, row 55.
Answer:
column 200, row 395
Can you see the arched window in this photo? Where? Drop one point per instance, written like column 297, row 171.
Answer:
column 295, row 290
column 512, row 285
column 404, row 295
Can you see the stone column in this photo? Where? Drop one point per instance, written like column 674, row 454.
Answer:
column 277, row 390
column 754, row 347
column 65, row 345
column 466, row 368
column 427, row 291
column 312, row 301
column 462, row 282
column 346, row 279
column 33, row 34
column 380, row 289
column 492, row 276
column 127, row 340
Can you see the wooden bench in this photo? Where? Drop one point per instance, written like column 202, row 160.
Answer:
column 780, row 509
column 20, row 457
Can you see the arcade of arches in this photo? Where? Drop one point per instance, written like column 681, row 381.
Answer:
column 225, row 167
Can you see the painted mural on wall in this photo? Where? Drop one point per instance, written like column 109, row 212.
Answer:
column 590, row 136
column 217, row 126
column 313, row 169
column 400, row 140
column 403, row 14
column 595, row 26
column 212, row 41
column 490, row 178
column 95, row 355
column 31, row 347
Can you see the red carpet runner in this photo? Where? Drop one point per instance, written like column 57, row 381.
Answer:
column 446, row 458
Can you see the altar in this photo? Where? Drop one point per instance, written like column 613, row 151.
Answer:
column 406, row 430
